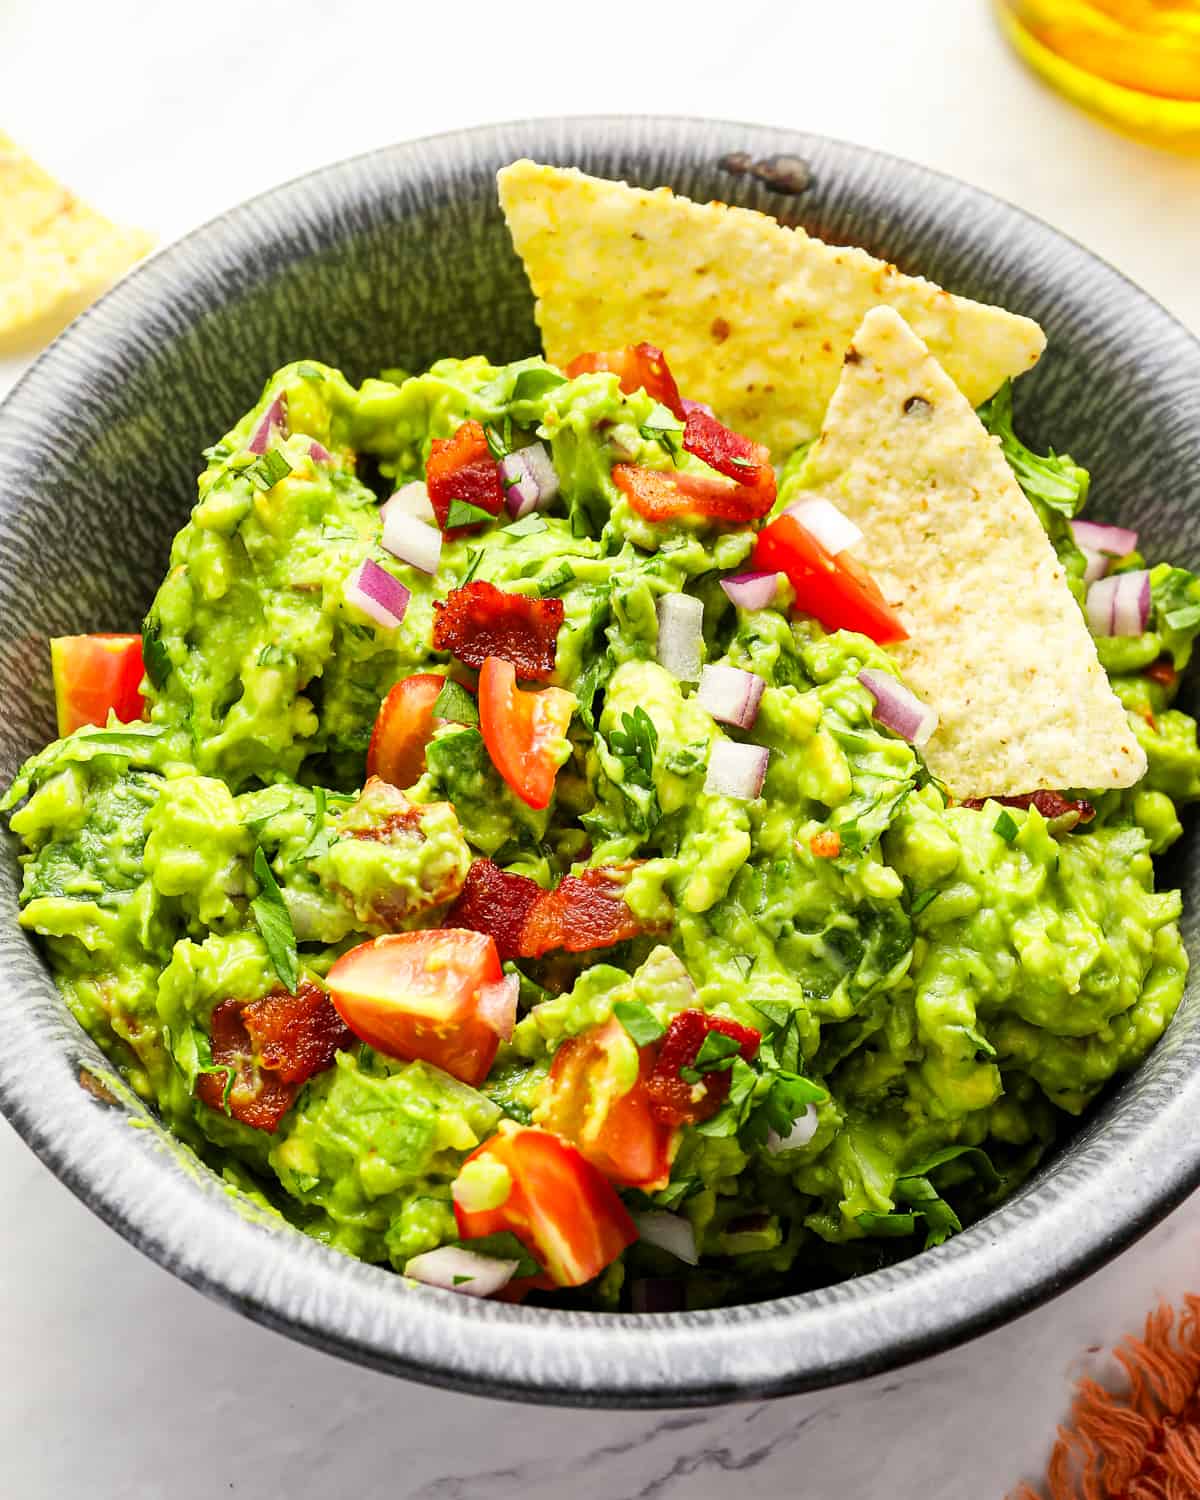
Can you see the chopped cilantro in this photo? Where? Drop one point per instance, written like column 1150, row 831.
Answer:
column 716, row 1055
column 275, row 924
column 267, row 470
column 1056, row 479
column 499, row 444
column 591, row 682
column 154, row 654
column 1006, row 826
column 318, row 842
column 472, row 566
column 556, row 580
column 528, row 525
column 534, row 383
column 919, row 903
column 455, row 704
column 636, row 741
column 308, row 371
column 639, row 1021
column 463, row 513
column 743, row 1081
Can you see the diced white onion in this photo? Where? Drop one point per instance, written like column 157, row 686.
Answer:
column 457, row 1270
column 412, row 541
column 412, row 500
column 730, row 695
column 822, row 519
column 800, row 1134
column 1114, row 541
column 736, row 770
column 898, row 709
column 497, row 1005
column 680, row 634
column 1120, row 604
column 373, row 590
column 670, row 1232
column 530, row 480
column 1097, row 564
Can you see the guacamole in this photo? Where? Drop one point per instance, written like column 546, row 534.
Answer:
column 775, row 1025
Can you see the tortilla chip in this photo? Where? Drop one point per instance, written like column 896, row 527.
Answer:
column 56, row 253
column 753, row 318
column 997, row 643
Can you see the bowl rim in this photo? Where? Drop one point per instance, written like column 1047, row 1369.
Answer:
column 1049, row 1236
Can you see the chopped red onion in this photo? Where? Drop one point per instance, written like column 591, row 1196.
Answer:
column 1120, row 604
column 1097, row 564
column 898, row 709
column 800, row 1134
column 670, row 1232
column 731, row 695
column 736, row 770
column 822, row 519
column 373, row 590
column 411, row 500
column 529, row 478
column 1115, row 541
column 656, row 1294
column 318, row 452
column 752, row 590
column 274, row 420
column 680, row 626
column 412, row 541
column 457, row 1270
column 497, row 1005
column 698, row 406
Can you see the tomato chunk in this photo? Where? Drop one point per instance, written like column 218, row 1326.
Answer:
column 403, row 728
column 272, row 1046
column 640, row 367
column 416, row 995
column 665, row 495
column 617, row 1131
column 481, row 620
column 96, row 673
column 838, row 591
column 462, row 468
column 582, row 912
column 557, row 1204
column 1049, row 804
column 497, row 903
column 525, row 733
column 727, row 451
column 673, row 1099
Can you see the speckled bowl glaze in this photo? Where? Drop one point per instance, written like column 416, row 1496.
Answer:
column 396, row 258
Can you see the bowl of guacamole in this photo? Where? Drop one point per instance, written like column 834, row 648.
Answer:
column 599, row 761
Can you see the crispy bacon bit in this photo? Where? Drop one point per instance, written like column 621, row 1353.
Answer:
column 408, row 820
column 481, row 621
column 462, row 468
column 496, row 903
column 1051, row 805
column 296, row 1035
column 675, row 1101
column 727, row 451
column 641, row 367
column 827, row 844
column 1162, row 672
column 582, row 912
column 666, row 494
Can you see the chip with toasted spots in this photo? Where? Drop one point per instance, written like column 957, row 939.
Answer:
column 56, row 254
column 997, row 643
column 753, row 317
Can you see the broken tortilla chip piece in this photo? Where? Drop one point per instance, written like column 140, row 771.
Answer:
column 753, row 318
column 56, row 253
column 997, row 643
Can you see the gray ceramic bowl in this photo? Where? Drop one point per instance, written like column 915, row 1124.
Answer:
column 396, row 258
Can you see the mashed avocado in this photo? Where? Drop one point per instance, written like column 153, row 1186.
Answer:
column 937, row 988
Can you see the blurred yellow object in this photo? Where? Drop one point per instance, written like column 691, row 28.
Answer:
column 56, row 254
column 1135, row 63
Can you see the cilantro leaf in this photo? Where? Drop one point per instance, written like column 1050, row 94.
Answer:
column 267, row 470
column 534, row 383
column 675, row 1192
column 1006, row 826
column 463, row 513
column 455, row 704
column 731, row 1116
column 556, row 580
column 529, row 525
column 637, row 740
column 1175, row 596
column 318, row 842
column 663, row 427
column 639, row 1021
column 275, row 924
column 499, row 445
column 593, row 681
column 154, row 654
column 1055, row 480
column 919, row 903
column 716, row 1055
column 472, row 566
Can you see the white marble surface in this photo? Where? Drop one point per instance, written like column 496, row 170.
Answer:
column 117, row 1381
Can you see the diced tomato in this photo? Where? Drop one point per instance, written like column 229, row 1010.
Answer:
column 827, row 844
column 1162, row 672
column 675, row 1101
column 273, row 1045
column 617, row 1132
column 665, row 494
column 558, row 1205
column 416, row 995
column 481, row 620
column 524, row 732
column 727, row 451
column 495, row 902
column 403, row 728
column 582, row 912
column 462, row 468
column 641, row 367
column 96, row 673
column 838, row 591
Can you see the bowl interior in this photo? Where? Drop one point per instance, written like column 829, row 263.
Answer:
column 395, row 259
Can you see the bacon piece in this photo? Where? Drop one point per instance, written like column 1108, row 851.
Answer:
column 641, row 367
column 673, row 1100
column 665, row 495
column 727, row 451
column 407, row 820
column 481, row 620
column 273, row 1046
column 1049, row 804
column 462, row 468
column 582, row 912
column 497, row 903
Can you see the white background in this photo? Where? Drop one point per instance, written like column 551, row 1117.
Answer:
column 116, row 1381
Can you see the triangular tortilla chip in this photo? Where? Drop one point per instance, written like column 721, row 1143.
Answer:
column 997, row 643
column 753, row 318
column 56, row 253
